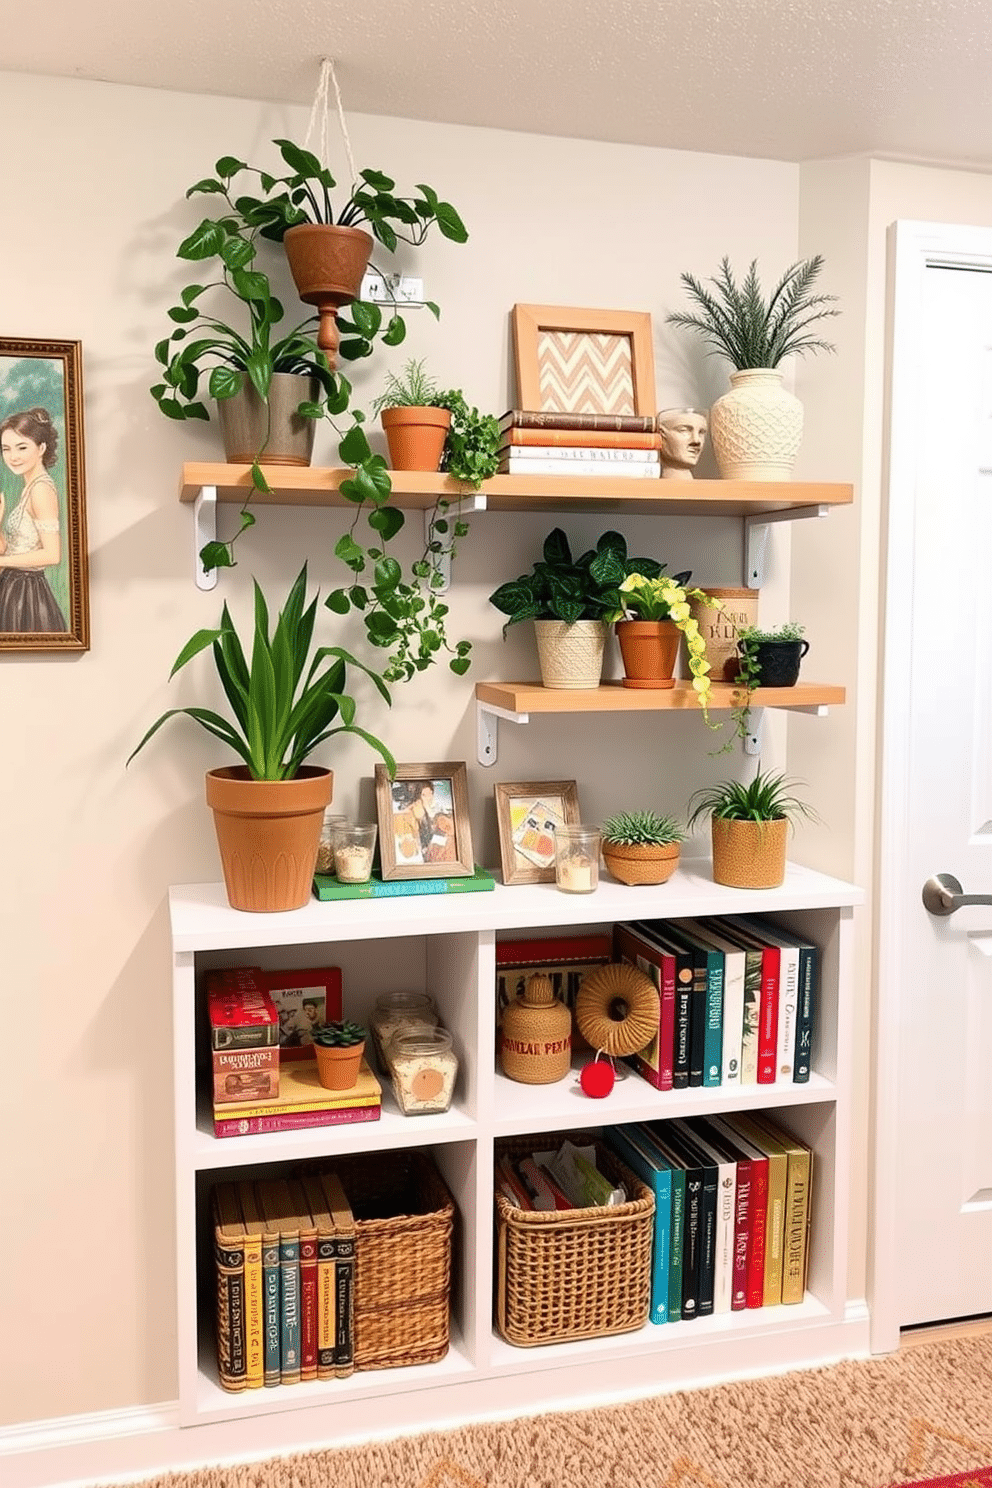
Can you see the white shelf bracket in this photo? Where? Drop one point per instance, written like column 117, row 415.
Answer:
column 752, row 739
column 204, row 531
column 487, row 717
column 756, row 538
column 441, row 562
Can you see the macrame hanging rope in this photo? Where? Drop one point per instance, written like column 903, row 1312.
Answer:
column 319, row 115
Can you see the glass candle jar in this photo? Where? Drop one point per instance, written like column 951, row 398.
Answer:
column 423, row 1067
column 400, row 1012
column 354, row 847
column 325, row 851
column 577, row 859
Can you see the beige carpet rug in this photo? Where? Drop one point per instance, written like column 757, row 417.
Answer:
column 925, row 1412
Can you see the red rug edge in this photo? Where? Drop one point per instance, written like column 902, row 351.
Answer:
column 978, row 1477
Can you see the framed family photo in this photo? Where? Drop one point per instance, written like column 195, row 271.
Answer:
column 527, row 813
column 44, row 572
column 571, row 360
column 424, row 826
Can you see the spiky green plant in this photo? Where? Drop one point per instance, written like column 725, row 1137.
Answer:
column 768, row 797
column 412, row 388
column 750, row 330
column 641, row 829
column 340, row 1035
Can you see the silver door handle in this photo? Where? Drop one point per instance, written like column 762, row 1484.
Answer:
column 942, row 895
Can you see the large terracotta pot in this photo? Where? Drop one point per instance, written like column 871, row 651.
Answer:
column 415, row 436
column 757, row 427
column 650, row 649
column 748, row 854
column 327, row 264
column 268, row 832
column 571, row 655
column 271, row 431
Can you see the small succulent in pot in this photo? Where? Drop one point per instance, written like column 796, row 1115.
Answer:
column 340, row 1035
column 641, row 847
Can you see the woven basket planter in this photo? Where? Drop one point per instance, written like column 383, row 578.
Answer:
column 642, row 862
column 571, row 655
column 749, row 854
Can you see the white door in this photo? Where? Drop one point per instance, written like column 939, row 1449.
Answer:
column 935, row 971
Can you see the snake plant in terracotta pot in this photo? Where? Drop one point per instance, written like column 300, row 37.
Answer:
column 286, row 701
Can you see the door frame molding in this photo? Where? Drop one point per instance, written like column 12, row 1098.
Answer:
column 913, row 249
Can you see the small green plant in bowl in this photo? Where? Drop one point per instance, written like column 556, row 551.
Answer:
column 641, row 847
column 749, row 825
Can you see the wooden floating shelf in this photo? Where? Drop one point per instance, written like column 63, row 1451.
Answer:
column 613, row 697
column 307, row 485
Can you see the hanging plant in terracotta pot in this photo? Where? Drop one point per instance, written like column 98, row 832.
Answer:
column 328, row 247
column 654, row 616
column 268, row 811
column 757, row 427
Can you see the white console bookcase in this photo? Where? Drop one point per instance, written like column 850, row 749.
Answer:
column 446, row 944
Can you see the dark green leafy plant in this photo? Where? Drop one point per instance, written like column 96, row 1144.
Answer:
column 471, row 450
column 642, row 828
column 750, row 330
column 285, row 702
column 561, row 587
column 304, row 195
column 340, row 1035
column 768, row 797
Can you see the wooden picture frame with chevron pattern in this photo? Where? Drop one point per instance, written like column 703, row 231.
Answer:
column 575, row 360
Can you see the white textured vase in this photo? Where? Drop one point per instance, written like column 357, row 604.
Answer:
column 756, row 429
column 571, row 655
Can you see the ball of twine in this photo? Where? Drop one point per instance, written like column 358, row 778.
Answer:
column 616, row 1009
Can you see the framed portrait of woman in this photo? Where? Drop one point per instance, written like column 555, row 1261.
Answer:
column 44, row 570
column 424, row 827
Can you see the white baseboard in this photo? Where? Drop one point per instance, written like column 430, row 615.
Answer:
column 128, row 1445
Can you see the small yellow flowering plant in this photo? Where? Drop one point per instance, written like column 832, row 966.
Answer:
column 667, row 598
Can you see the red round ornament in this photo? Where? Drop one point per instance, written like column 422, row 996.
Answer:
column 597, row 1079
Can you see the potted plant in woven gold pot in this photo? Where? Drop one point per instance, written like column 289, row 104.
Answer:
column 269, row 810
column 641, row 847
column 749, row 826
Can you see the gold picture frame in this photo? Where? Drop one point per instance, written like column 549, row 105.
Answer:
column 616, row 375
column 526, row 814
column 424, row 825
column 43, row 497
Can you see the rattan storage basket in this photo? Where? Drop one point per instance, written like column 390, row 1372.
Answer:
column 404, row 1217
column 573, row 1273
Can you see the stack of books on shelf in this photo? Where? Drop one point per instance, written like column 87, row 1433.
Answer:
column 285, row 1256
column 264, row 1069
column 544, row 443
column 737, row 1000
column 732, row 1212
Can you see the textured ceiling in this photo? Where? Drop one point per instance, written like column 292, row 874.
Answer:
column 785, row 79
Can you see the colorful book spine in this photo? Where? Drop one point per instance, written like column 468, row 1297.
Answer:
column 655, row 1062
column 329, row 888
column 569, row 453
column 282, row 1121
column 552, row 439
column 649, row 1165
column 229, row 1258
column 344, row 1224
column 245, row 1074
column 809, row 959
column 308, row 1282
column 756, row 1219
column 525, row 465
column 765, row 1282
column 533, row 418
column 726, row 1193
column 272, row 1307
column 652, row 931
column 327, row 1261
column 795, row 1241
column 254, row 1290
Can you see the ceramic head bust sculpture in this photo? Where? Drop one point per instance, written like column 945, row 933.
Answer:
column 683, row 434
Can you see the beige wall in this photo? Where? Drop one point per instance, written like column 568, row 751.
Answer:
column 88, row 242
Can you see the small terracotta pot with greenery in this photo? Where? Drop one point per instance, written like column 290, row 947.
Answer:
column 749, row 826
column 339, row 1048
column 641, row 847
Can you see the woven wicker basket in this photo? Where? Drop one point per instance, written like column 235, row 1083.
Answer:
column 404, row 1216
column 573, row 1273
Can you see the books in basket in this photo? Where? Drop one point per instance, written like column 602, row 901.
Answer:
column 327, row 887
column 303, row 1102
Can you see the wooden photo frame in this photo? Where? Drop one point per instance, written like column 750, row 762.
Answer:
column 424, row 825
column 526, row 814
column 571, row 360
column 44, row 607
